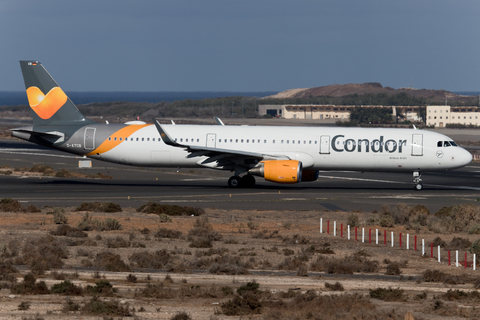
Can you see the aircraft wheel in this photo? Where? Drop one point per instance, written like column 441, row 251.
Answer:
column 248, row 181
column 418, row 186
column 234, row 182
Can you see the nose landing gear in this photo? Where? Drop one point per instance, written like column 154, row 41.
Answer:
column 417, row 180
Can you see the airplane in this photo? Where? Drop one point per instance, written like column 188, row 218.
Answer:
column 283, row 155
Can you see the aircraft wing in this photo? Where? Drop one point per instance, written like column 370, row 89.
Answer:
column 218, row 157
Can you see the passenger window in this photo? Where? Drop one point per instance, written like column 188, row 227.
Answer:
column 109, row 138
column 143, row 139
column 175, row 139
column 293, row 141
column 282, row 141
column 186, row 140
column 181, row 139
column 265, row 141
column 273, row 141
column 304, row 142
column 153, row 139
column 298, row 141
column 310, row 142
column 131, row 139
column 115, row 139
column 241, row 141
column 315, row 141
column 288, row 141
column 247, row 140
column 439, row 143
column 253, row 140
column 148, row 139
column 236, row 140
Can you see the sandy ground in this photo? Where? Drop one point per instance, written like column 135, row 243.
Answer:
column 238, row 229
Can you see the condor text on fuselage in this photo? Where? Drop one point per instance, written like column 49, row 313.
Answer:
column 339, row 144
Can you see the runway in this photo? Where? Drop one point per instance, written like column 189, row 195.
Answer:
column 134, row 186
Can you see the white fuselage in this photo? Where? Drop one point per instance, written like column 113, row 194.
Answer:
column 318, row 148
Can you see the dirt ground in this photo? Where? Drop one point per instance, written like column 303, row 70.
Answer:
column 259, row 239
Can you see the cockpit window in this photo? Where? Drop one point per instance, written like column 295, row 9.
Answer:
column 446, row 144
column 453, row 143
column 439, row 144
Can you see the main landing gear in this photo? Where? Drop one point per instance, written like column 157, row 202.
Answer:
column 417, row 180
column 247, row 181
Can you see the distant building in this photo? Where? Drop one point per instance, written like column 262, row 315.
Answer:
column 440, row 116
column 325, row 112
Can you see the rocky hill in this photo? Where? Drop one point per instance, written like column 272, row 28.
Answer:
column 340, row 90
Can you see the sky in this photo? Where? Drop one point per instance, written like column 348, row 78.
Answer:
column 248, row 45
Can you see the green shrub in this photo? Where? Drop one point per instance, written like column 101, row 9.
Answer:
column 67, row 288
column 107, row 308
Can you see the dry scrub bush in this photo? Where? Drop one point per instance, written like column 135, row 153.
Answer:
column 162, row 291
column 460, row 295
column 202, row 234
column 459, row 243
column 181, row 315
column 309, row 305
column 102, row 287
column 156, row 260
column 10, row 205
column 337, row 286
column 88, row 224
column 110, row 262
column 118, row 242
column 167, row 233
column 42, row 254
column 387, row 294
column 68, row 231
column 67, row 288
column 171, row 210
column 393, row 269
column 98, row 307
column 357, row 262
column 411, row 217
column 248, row 301
column 29, row 285
column 459, row 218
column 107, row 207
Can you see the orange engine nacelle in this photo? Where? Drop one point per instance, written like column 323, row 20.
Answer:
column 309, row 175
column 281, row 171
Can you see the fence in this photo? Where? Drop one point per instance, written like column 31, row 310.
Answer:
column 465, row 263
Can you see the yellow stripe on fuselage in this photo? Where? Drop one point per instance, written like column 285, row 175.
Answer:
column 125, row 132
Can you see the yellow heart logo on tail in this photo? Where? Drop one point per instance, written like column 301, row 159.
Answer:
column 45, row 106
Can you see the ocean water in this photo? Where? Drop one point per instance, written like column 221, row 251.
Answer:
column 13, row 98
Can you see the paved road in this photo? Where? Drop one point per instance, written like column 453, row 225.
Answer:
column 133, row 186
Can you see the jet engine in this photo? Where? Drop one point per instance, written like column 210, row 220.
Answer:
column 281, row 171
column 309, row 175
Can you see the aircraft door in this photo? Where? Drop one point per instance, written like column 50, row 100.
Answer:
column 211, row 140
column 417, row 144
column 324, row 144
column 89, row 143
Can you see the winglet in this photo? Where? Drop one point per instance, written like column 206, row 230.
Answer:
column 165, row 137
column 218, row 121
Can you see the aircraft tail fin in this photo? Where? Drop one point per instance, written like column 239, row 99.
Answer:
column 49, row 105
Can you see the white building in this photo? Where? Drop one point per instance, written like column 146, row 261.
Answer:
column 325, row 112
column 440, row 116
